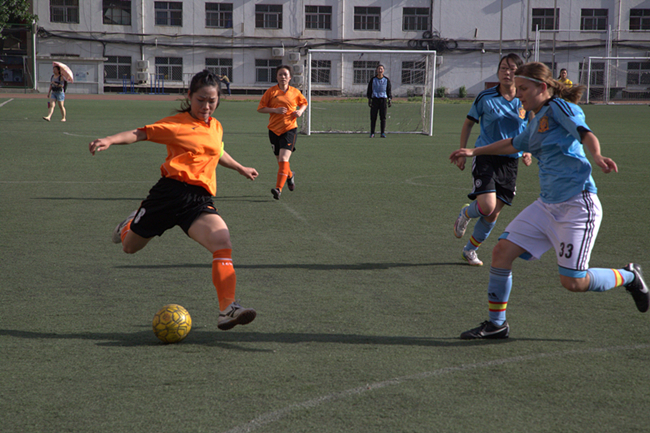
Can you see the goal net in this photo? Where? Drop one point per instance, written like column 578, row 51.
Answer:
column 336, row 83
column 621, row 80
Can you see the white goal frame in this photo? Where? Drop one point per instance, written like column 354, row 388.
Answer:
column 430, row 102
column 606, row 79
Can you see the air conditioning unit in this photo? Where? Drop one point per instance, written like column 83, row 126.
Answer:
column 297, row 69
column 142, row 76
column 143, row 65
column 277, row 52
column 294, row 57
column 297, row 80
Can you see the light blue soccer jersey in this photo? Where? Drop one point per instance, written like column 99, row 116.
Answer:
column 498, row 117
column 553, row 138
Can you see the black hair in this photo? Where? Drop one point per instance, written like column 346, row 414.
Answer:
column 287, row 67
column 512, row 57
column 560, row 76
column 202, row 79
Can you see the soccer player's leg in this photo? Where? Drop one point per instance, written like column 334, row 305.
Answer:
column 211, row 231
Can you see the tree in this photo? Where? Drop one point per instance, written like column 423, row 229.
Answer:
column 14, row 12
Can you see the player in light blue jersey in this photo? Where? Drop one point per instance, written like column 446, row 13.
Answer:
column 500, row 115
column 567, row 214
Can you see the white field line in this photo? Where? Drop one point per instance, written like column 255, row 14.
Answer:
column 271, row 417
column 6, row 102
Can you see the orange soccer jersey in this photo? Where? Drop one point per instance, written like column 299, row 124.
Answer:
column 276, row 98
column 193, row 148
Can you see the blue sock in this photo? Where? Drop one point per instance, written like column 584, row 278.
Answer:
column 601, row 279
column 472, row 210
column 498, row 293
column 482, row 230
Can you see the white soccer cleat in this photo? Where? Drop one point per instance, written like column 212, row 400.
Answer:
column 461, row 223
column 235, row 315
column 471, row 258
column 117, row 233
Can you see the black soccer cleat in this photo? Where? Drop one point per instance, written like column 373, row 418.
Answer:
column 276, row 193
column 487, row 330
column 638, row 288
column 291, row 182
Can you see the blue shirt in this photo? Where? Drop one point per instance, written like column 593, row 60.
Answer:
column 379, row 87
column 553, row 138
column 498, row 117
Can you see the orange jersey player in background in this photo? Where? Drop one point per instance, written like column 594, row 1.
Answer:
column 183, row 196
column 284, row 104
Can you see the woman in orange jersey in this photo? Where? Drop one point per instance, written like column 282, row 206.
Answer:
column 284, row 104
column 183, row 196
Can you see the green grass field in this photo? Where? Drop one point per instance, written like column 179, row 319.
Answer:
column 356, row 276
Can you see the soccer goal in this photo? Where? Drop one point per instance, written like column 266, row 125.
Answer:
column 616, row 80
column 337, row 82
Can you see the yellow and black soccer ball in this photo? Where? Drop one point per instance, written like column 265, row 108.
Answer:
column 172, row 323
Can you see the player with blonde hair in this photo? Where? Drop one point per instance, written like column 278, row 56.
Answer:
column 567, row 215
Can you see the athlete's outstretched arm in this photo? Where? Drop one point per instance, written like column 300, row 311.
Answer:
column 126, row 137
column 607, row 165
column 501, row 147
column 464, row 137
column 229, row 162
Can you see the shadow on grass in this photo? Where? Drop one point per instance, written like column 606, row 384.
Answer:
column 232, row 340
column 313, row 267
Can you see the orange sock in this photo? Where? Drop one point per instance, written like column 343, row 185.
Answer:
column 125, row 230
column 223, row 277
column 283, row 174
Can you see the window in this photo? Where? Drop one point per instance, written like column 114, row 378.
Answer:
column 169, row 13
column 413, row 72
column 639, row 19
column 593, row 19
column 117, row 67
column 363, row 71
column 367, row 18
column 268, row 16
column 170, row 68
column 415, row 19
column 544, row 19
column 597, row 76
column 220, row 67
column 265, row 70
column 321, row 71
column 318, row 17
column 638, row 73
column 117, row 12
column 218, row 15
column 64, row 11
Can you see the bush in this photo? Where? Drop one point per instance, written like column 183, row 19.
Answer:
column 462, row 92
column 440, row 92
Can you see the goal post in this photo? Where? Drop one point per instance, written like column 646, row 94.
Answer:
column 622, row 80
column 336, row 86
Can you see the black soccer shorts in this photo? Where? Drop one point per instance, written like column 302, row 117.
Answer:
column 495, row 173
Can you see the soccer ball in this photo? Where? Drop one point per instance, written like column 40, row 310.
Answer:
column 172, row 323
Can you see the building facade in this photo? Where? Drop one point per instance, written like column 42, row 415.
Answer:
column 109, row 41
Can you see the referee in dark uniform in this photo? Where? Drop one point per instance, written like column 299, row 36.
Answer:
column 379, row 98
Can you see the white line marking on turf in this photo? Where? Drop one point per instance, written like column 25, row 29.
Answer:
column 271, row 417
column 6, row 102
column 79, row 135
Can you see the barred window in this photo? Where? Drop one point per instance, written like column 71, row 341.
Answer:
column 268, row 16
column 169, row 13
column 117, row 67
column 593, row 19
column 414, row 72
column 220, row 66
column 415, row 19
column 363, row 71
column 638, row 73
column 265, row 70
column 321, row 71
column 117, row 12
column 318, row 17
column 367, row 18
column 597, row 75
column 64, row 11
column 543, row 17
column 639, row 19
column 170, row 68
column 218, row 15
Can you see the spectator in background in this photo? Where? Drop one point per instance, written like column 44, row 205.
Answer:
column 564, row 78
